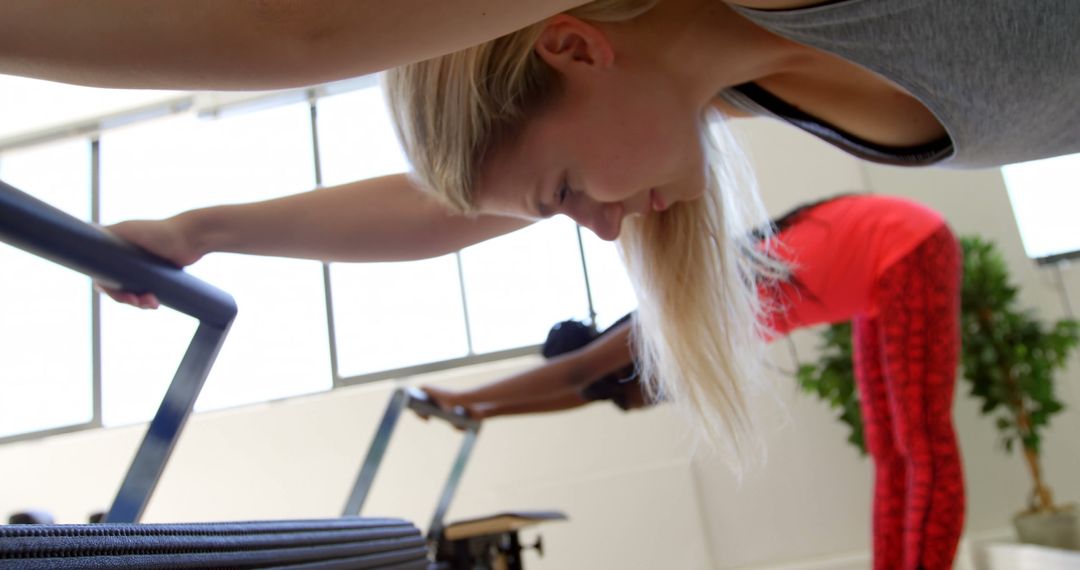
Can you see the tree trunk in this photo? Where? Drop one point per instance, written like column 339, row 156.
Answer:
column 1042, row 499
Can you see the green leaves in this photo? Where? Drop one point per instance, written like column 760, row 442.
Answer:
column 832, row 380
column 1009, row 357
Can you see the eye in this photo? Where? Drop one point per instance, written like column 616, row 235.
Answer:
column 563, row 193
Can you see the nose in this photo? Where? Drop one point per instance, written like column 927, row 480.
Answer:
column 603, row 218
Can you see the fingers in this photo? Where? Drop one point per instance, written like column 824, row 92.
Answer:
column 449, row 402
column 162, row 238
column 141, row 301
column 427, row 391
column 441, row 398
column 146, row 301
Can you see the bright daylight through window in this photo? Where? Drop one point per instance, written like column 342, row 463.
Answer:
column 154, row 154
column 1045, row 196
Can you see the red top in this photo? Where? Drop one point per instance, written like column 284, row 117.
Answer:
column 837, row 251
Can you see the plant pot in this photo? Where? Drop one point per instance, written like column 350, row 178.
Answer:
column 1058, row 529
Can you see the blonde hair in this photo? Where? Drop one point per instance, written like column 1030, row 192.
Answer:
column 693, row 267
column 696, row 269
column 450, row 111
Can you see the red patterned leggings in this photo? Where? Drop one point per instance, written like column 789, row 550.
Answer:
column 905, row 367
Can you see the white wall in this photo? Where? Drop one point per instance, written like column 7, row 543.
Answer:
column 637, row 497
column 623, row 479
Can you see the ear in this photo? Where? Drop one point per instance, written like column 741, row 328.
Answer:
column 567, row 42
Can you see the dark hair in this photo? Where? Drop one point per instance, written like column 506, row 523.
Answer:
column 567, row 336
column 570, row 335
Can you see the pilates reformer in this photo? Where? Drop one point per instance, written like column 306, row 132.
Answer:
column 121, row 541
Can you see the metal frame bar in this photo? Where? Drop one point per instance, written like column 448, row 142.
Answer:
column 457, row 469
column 40, row 229
column 1058, row 258
column 328, row 292
column 164, row 430
column 418, row 401
column 34, row 226
column 94, row 126
column 355, row 503
column 97, row 387
column 204, row 104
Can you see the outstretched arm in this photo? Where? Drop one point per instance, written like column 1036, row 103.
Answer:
column 243, row 44
column 380, row 219
column 555, row 383
column 558, row 402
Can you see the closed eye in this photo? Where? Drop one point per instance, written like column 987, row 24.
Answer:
column 563, row 193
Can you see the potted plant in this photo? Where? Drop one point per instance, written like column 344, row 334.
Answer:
column 832, row 380
column 1009, row 360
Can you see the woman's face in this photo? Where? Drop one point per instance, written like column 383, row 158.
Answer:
column 616, row 141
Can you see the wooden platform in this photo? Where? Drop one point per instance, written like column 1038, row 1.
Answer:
column 499, row 523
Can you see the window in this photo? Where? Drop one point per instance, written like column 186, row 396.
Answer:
column 278, row 344
column 612, row 294
column 386, row 315
column 396, row 315
column 518, row 285
column 46, row 367
column 303, row 326
column 1045, row 196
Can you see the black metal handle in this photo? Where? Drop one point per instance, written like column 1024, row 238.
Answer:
column 41, row 229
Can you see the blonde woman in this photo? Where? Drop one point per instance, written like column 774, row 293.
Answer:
column 599, row 114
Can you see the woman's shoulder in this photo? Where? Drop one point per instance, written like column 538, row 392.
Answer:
column 871, row 206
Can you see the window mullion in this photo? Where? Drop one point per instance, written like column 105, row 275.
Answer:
column 328, row 293
column 464, row 303
column 95, row 297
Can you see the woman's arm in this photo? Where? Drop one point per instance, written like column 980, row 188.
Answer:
column 379, row 219
column 566, row 400
column 568, row 372
column 243, row 44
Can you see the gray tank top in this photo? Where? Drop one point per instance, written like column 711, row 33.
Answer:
column 1002, row 76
